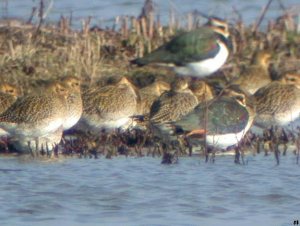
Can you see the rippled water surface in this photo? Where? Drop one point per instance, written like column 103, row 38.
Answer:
column 103, row 12
column 141, row 191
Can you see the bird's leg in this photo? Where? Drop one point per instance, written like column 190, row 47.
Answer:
column 258, row 146
column 4, row 141
column 30, row 148
column 275, row 144
column 48, row 152
column 237, row 155
column 37, row 146
column 285, row 140
column 42, row 150
column 213, row 154
column 242, row 154
column 200, row 132
column 267, row 134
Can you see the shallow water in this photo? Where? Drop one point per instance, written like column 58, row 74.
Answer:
column 103, row 12
column 141, row 191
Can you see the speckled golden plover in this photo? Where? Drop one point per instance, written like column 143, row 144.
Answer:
column 171, row 106
column 8, row 95
column 74, row 101
column 279, row 102
column 111, row 106
column 36, row 116
column 174, row 104
column 201, row 90
column 149, row 94
column 257, row 74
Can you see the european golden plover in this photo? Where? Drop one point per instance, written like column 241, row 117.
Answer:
column 110, row 106
column 201, row 90
column 174, row 104
column 149, row 94
column 279, row 102
column 74, row 101
column 36, row 116
column 256, row 75
column 8, row 95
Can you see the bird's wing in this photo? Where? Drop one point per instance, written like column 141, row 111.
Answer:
column 222, row 116
column 27, row 109
column 187, row 47
column 171, row 107
column 193, row 46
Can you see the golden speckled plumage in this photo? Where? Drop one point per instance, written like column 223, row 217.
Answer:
column 74, row 101
column 110, row 106
column 256, row 75
column 149, row 94
column 278, row 103
column 9, row 89
column 35, row 115
column 201, row 90
column 172, row 105
column 5, row 101
column 8, row 95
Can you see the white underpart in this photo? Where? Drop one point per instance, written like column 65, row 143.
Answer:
column 53, row 126
column 223, row 141
column 112, row 124
column 288, row 119
column 71, row 121
column 3, row 133
column 118, row 123
column 46, row 142
column 36, row 131
column 205, row 67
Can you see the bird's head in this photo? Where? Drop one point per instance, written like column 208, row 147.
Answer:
column 162, row 86
column 124, row 81
column 9, row 89
column 201, row 90
column 72, row 82
column 219, row 26
column 240, row 95
column 179, row 84
column 58, row 88
column 291, row 79
column 262, row 58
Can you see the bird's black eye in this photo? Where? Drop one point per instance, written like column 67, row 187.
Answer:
column 240, row 99
column 292, row 79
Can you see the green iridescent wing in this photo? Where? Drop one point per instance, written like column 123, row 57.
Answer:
column 187, row 47
column 222, row 116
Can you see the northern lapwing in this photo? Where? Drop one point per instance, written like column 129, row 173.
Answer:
column 224, row 120
column 197, row 53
